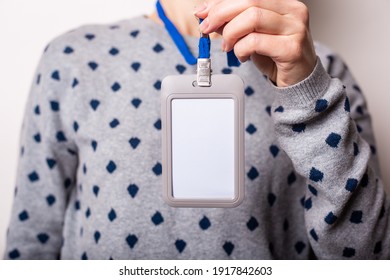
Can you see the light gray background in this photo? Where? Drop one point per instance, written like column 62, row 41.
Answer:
column 356, row 29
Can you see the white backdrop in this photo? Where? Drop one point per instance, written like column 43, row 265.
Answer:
column 357, row 29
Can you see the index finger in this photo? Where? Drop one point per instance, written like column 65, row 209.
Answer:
column 219, row 12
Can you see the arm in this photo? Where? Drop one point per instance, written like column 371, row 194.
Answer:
column 329, row 138
column 46, row 169
column 318, row 127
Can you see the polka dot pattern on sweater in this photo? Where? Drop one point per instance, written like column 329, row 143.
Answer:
column 92, row 166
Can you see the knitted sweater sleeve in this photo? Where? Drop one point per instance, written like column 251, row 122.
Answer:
column 324, row 126
column 47, row 165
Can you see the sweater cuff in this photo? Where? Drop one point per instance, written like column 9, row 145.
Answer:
column 304, row 92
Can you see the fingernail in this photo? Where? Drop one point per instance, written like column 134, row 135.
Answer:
column 223, row 45
column 204, row 25
column 201, row 8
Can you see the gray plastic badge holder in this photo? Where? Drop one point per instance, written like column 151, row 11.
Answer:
column 203, row 141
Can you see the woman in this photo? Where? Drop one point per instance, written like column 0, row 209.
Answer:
column 89, row 174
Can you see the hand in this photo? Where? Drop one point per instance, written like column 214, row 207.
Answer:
column 273, row 33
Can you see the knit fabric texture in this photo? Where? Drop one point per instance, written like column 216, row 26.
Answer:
column 89, row 176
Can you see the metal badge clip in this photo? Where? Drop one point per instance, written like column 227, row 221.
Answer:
column 203, row 72
column 204, row 62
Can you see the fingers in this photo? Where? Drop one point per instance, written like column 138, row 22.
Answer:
column 257, row 43
column 218, row 12
column 274, row 33
column 293, row 61
column 283, row 49
column 257, row 20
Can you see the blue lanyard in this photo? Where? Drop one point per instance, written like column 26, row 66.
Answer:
column 204, row 42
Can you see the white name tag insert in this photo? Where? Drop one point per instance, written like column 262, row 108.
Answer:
column 203, row 141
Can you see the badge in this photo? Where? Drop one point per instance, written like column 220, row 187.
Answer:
column 203, row 141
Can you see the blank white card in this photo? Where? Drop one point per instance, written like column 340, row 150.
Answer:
column 203, row 163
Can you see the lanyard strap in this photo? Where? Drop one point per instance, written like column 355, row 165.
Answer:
column 175, row 35
column 204, row 42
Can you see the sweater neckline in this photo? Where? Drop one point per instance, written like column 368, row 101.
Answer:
column 160, row 32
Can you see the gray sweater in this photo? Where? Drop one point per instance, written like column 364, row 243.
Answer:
column 89, row 176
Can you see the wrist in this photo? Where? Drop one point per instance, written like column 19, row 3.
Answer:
column 304, row 92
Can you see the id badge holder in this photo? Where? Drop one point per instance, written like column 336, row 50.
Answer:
column 203, row 140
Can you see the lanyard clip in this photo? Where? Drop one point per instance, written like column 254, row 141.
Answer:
column 204, row 62
column 203, row 72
